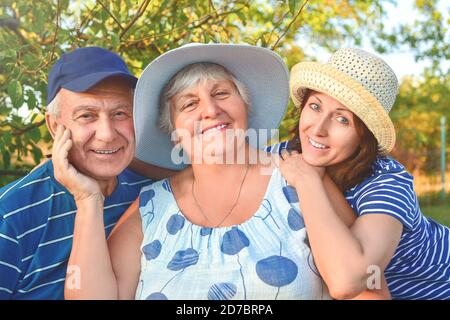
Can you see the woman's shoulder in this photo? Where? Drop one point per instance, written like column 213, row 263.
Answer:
column 385, row 168
column 386, row 172
column 386, row 165
column 389, row 190
column 154, row 190
column 156, row 184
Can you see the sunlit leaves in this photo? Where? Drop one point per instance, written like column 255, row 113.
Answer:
column 15, row 92
column 417, row 112
column 32, row 37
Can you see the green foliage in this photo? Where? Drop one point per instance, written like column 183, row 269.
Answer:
column 436, row 207
column 34, row 34
column 428, row 36
column 416, row 115
column 439, row 213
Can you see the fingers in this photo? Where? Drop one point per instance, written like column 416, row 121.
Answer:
column 61, row 137
column 65, row 150
column 284, row 154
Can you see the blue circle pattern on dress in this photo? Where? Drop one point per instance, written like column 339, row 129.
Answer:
column 183, row 259
column 276, row 271
column 295, row 220
column 234, row 241
column 152, row 250
column 145, row 197
column 156, row 296
column 205, row 231
column 175, row 223
column 272, row 268
column 222, row 291
column 291, row 194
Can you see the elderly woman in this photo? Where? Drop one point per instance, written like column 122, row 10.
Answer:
column 226, row 227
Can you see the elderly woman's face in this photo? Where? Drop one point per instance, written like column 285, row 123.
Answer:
column 206, row 115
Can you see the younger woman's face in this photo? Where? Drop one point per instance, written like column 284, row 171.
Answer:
column 327, row 131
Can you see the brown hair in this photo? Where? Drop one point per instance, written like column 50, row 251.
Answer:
column 355, row 169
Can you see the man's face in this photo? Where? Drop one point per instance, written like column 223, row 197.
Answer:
column 101, row 124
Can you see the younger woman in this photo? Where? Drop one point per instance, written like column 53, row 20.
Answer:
column 345, row 130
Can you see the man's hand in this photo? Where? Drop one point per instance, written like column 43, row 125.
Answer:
column 79, row 185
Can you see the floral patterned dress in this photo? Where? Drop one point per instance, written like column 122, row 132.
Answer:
column 266, row 257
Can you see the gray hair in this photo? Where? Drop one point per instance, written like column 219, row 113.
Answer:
column 190, row 76
column 53, row 106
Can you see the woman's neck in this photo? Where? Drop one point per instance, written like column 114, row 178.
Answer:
column 216, row 174
column 223, row 174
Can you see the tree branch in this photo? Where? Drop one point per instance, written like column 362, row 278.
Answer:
column 138, row 14
column 277, row 25
column 201, row 21
column 19, row 131
column 86, row 18
column 58, row 13
column 289, row 25
column 11, row 24
column 111, row 15
column 46, row 62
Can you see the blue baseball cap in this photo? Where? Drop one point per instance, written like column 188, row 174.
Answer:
column 83, row 68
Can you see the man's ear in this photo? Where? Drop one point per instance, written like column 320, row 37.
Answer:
column 52, row 123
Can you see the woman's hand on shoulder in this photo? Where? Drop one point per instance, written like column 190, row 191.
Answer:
column 296, row 170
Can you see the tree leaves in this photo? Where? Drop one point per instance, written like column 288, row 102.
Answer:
column 15, row 92
column 294, row 6
column 33, row 37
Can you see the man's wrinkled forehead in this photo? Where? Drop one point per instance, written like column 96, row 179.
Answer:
column 113, row 85
column 118, row 96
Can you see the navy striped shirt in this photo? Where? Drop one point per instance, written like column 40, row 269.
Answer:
column 37, row 217
column 420, row 267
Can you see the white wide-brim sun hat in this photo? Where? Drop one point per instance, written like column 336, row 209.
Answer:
column 261, row 70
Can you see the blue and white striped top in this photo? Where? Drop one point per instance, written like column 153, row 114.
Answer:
column 420, row 267
column 37, row 217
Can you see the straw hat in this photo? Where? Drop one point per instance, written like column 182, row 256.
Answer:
column 361, row 81
column 261, row 70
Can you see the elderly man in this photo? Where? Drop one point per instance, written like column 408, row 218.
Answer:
column 90, row 92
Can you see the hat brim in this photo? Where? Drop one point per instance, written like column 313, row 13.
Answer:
column 328, row 80
column 262, row 71
column 85, row 83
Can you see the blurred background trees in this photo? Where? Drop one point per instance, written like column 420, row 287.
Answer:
column 33, row 34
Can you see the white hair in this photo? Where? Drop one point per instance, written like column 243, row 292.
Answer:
column 190, row 76
column 53, row 106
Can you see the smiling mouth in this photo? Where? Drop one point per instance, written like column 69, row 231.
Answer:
column 112, row 151
column 215, row 129
column 317, row 145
